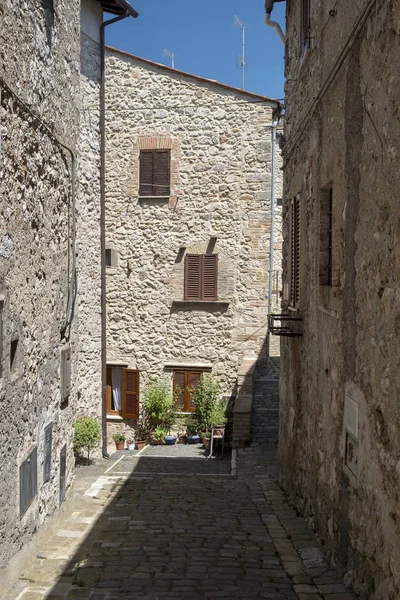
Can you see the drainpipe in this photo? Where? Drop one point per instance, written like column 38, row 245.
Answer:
column 269, row 6
column 272, row 232
column 103, row 229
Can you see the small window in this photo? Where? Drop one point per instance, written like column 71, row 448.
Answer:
column 201, row 277
column 184, row 381
column 13, row 353
column 111, row 257
column 295, row 252
column 325, row 238
column 305, row 24
column 154, row 177
column 48, row 437
column 122, row 392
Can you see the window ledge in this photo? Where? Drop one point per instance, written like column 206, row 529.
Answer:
column 162, row 198
column 118, row 418
column 205, row 303
column 181, row 364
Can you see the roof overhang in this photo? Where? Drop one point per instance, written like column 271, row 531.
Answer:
column 118, row 7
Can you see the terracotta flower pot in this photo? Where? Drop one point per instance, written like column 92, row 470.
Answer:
column 206, row 443
column 120, row 445
column 141, row 444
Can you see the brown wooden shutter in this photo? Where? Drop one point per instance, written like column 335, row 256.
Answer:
column 130, row 405
column 210, row 276
column 292, row 253
column 193, row 277
column 161, row 177
column 146, row 173
column 297, row 265
column 180, row 382
column 193, row 382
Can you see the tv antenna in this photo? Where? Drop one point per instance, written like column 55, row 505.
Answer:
column 242, row 63
column 171, row 55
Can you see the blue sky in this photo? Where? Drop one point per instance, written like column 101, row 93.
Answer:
column 204, row 40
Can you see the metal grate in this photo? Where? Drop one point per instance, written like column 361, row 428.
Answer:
column 27, row 481
column 284, row 325
column 63, row 470
column 48, row 437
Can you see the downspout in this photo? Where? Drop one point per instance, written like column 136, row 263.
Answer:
column 103, row 229
column 272, row 232
column 269, row 6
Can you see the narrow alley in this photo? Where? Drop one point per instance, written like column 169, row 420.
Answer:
column 168, row 523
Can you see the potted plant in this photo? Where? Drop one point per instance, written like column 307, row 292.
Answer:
column 192, row 437
column 119, row 439
column 87, row 435
column 130, row 443
column 170, row 440
column 206, row 400
column 142, row 434
column 158, row 404
column 205, row 437
column 157, row 436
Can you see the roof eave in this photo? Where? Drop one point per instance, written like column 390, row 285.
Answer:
column 118, row 7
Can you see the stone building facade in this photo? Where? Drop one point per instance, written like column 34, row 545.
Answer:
column 50, row 255
column 216, row 202
column 339, row 381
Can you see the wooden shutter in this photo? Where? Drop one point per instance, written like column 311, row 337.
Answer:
column 161, row 179
column 146, row 173
column 210, row 277
column 193, row 378
column 193, row 277
column 180, row 382
column 130, row 403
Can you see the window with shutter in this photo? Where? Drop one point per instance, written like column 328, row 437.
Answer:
column 130, row 404
column 201, row 277
column 305, row 23
column 325, row 238
column 154, row 173
column 1, row 337
column 184, row 381
column 295, row 238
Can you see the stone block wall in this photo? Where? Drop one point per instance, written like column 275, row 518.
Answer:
column 40, row 104
column 220, row 141
column 339, row 385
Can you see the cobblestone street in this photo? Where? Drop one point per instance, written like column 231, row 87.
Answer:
column 171, row 524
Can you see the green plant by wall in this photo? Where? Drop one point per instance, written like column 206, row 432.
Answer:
column 87, row 435
column 158, row 407
column 206, row 402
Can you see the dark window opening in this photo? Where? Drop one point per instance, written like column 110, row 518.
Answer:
column 154, row 178
column 201, row 277
column 325, row 239
column 13, row 353
column 295, row 252
column 305, row 24
column 108, row 257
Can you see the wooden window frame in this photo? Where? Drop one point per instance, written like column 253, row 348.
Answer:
column 123, row 412
column 295, row 251
column 149, row 188
column 203, row 286
column 326, row 238
column 187, row 373
column 305, row 26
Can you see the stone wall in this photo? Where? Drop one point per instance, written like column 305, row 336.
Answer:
column 220, row 141
column 40, row 102
column 339, row 387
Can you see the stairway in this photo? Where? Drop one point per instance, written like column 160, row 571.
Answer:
column 265, row 407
